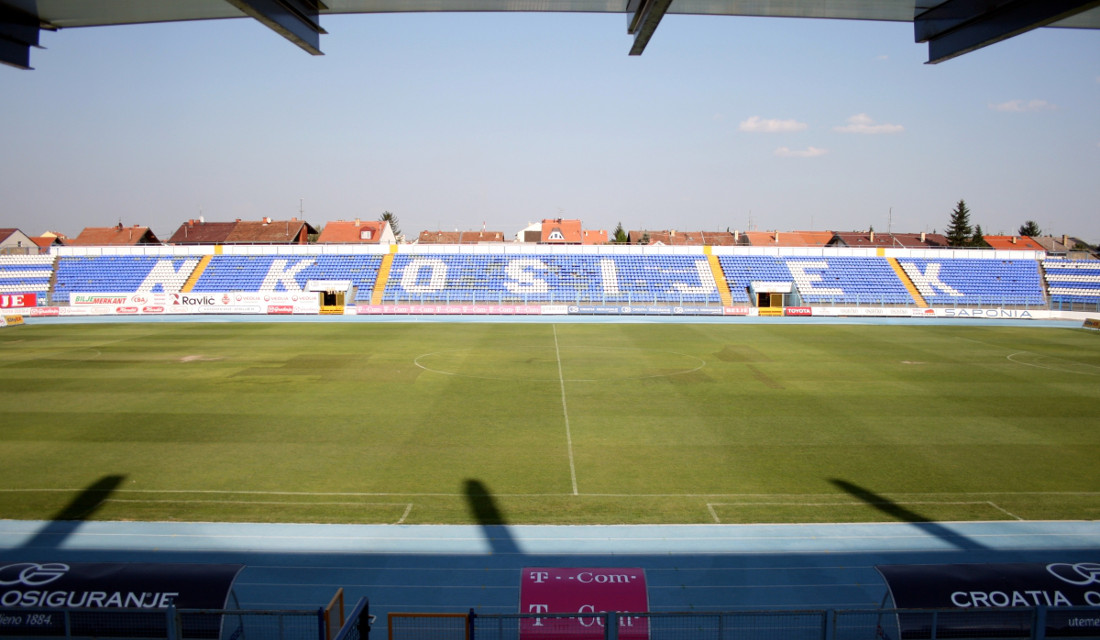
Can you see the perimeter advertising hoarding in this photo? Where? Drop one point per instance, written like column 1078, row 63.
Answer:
column 1001, row 590
column 584, row 590
column 33, row 593
column 18, row 300
column 449, row 309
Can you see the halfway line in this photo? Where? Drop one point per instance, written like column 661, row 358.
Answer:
column 565, row 412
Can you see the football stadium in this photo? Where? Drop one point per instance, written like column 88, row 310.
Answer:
column 529, row 441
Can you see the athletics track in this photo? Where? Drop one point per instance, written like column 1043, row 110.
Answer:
column 437, row 568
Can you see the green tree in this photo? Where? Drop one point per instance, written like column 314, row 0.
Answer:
column 978, row 239
column 1030, row 229
column 620, row 236
column 392, row 219
column 959, row 232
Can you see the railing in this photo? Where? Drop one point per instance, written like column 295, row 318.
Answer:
column 166, row 624
column 1037, row 623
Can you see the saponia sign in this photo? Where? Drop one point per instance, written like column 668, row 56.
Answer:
column 590, row 592
column 1054, row 586
column 32, row 591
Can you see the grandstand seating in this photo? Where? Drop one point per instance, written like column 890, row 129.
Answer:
column 26, row 274
column 121, row 274
column 563, row 278
column 288, row 272
column 973, row 281
column 819, row 280
column 1073, row 281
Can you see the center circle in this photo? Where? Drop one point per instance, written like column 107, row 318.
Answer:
column 568, row 364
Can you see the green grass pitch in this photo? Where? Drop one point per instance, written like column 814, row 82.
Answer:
column 366, row 422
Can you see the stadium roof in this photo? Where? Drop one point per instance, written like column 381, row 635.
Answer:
column 951, row 27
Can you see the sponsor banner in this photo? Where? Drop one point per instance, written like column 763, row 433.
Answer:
column 555, row 310
column 1017, row 314
column 42, row 312
column 646, row 310
column 770, row 311
column 867, row 312
column 107, row 300
column 996, row 586
column 244, row 302
column 736, row 311
column 280, row 309
column 583, row 591
column 10, row 321
column 42, row 588
column 1092, row 323
column 448, row 309
column 18, row 300
column 798, row 311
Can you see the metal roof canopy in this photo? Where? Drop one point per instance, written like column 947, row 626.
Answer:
column 951, row 27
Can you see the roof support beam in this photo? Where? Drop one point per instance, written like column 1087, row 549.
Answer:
column 955, row 27
column 295, row 20
column 18, row 33
column 644, row 22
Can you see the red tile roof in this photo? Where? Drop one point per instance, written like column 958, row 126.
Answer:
column 558, row 231
column 678, row 238
column 1013, row 243
column 460, row 237
column 266, row 231
column 788, row 238
column 117, row 235
column 352, row 232
column 887, row 240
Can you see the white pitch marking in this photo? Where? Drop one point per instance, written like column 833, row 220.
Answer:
column 408, row 509
column 713, row 513
column 565, row 412
column 1005, row 511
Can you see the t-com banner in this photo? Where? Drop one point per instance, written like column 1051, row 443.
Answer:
column 1070, row 591
column 32, row 593
column 582, row 591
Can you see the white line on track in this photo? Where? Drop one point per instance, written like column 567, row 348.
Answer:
column 565, row 412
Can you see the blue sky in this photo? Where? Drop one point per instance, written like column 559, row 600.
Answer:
column 452, row 121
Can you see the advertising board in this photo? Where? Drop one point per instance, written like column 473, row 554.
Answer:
column 18, row 300
column 584, row 590
column 1003, row 587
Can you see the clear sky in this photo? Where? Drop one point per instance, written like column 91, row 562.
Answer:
column 452, row 121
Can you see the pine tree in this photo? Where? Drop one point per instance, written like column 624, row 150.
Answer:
column 620, row 236
column 1030, row 229
column 392, row 219
column 978, row 239
column 959, row 233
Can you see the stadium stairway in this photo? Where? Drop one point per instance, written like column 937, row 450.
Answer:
column 196, row 274
column 383, row 276
column 719, row 278
column 904, row 277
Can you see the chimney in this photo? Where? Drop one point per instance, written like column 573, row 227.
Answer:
column 1065, row 241
column 922, row 237
column 357, row 223
column 1013, row 239
column 267, row 220
column 872, row 236
column 736, row 235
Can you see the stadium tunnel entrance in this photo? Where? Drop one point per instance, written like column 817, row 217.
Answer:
column 331, row 294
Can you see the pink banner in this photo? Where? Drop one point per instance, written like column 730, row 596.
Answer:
column 584, row 591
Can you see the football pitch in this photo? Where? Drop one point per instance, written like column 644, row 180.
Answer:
column 543, row 423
